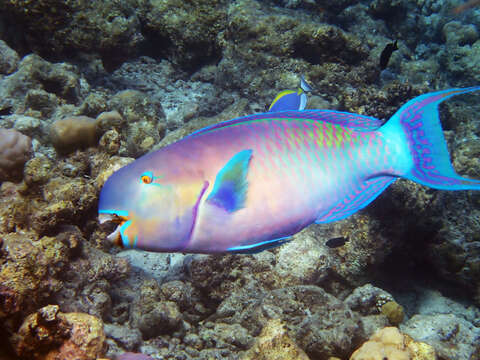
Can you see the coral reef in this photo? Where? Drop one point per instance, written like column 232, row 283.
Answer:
column 9, row 59
column 146, row 73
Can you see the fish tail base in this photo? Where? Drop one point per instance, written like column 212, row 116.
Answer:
column 416, row 126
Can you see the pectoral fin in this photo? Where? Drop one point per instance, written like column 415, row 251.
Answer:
column 230, row 188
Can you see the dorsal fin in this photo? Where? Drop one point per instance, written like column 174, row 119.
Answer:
column 354, row 121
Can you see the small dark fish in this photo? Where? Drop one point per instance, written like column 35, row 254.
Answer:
column 336, row 242
column 386, row 53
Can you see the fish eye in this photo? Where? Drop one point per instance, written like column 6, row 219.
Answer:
column 146, row 177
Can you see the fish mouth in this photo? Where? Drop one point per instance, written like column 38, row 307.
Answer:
column 117, row 217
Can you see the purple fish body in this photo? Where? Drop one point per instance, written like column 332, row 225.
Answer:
column 249, row 184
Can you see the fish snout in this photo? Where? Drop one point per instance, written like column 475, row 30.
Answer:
column 117, row 217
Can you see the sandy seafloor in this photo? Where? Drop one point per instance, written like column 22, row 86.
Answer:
column 86, row 87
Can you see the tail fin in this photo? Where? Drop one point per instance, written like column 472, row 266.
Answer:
column 416, row 125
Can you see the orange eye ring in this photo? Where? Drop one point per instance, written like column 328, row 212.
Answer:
column 146, row 177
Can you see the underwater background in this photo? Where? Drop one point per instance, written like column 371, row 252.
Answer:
column 86, row 87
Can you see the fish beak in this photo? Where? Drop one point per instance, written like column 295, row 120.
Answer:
column 110, row 216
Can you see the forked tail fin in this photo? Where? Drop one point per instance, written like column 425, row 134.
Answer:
column 423, row 155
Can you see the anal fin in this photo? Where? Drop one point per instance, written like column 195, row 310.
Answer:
column 357, row 199
column 259, row 247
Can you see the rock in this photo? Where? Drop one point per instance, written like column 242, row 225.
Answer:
column 29, row 126
column 274, row 343
column 127, row 337
column 109, row 120
column 321, row 324
column 75, row 132
column 15, row 150
column 89, row 281
column 190, row 29
column 138, row 118
column 151, row 315
column 182, row 293
column 41, row 101
column 308, row 41
column 370, row 324
column 80, row 27
column 368, row 299
column 35, row 73
column 160, row 266
column 133, row 106
column 66, row 199
column 50, row 334
column 110, row 142
column 29, row 275
column 104, row 167
column 9, row 59
column 457, row 34
column 452, row 337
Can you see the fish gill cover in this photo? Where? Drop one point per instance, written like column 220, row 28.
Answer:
column 148, row 73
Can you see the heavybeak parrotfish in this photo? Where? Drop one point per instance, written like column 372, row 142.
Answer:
column 250, row 183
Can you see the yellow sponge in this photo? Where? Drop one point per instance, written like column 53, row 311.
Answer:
column 389, row 343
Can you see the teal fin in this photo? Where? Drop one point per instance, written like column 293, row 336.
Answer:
column 357, row 199
column 230, row 188
column 259, row 247
column 417, row 127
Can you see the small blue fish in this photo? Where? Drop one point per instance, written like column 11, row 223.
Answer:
column 291, row 99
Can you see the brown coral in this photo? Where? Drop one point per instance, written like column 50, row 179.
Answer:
column 75, row 132
column 15, row 150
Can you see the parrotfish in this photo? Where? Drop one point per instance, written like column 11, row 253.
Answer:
column 249, row 184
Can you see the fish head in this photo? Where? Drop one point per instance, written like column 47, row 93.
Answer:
column 155, row 210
